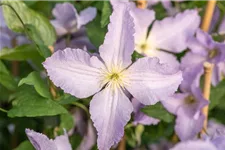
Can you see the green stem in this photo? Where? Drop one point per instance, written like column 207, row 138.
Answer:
column 3, row 110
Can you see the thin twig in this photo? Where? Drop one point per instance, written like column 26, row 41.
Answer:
column 208, row 15
column 208, row 68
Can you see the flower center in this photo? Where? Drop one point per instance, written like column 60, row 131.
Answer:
column 190, row 100
column 114, row 77
column 213, row 53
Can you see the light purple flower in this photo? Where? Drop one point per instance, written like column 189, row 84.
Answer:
column 187, row 107
column 166, row 36
column 203, row 49
column 42, row 142
column 140, row 117
column 82, row 75
column 194, row 145
column 78, row 39
column 67, row 20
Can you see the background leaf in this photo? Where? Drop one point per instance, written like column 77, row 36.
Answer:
column 20, row 53
column 6, row 79
column 106, row 12
column 28, row 103
column 26, row 145
column 40, row 86
column 29, row 17
column 158, row 111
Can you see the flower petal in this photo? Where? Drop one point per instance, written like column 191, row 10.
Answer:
column 164, row 57
column 119, row 40
column 86, row 16
column 195, row 145
column 40, row 141
column 174, row 102
column 221, row 29
column 62, row 142
column 60, row 30
column 149, row 81
column 72, row 71
column 66, row 16
column 110, row 111
column 142, row 20
column 172, row 33
column 187, row 127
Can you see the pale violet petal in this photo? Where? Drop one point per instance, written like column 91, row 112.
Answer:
column 89, row 138
column 221, row 29
column 142, row 20
column 119, row 40
column 164, row 57
column 175, row 102
column 149, row 81
column 172, row 33
column 86, row 16
column 64, row 13
column 62, row 142
column 72, row 70
column 60, row 30
column 40, row 141
column 110, row 111
column 187, row 127
column 194, row 145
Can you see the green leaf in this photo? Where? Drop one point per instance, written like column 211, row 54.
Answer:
column 25, row 145
column 20, row 53
column 67, row 99
column 95, row 33
column 217, row 94
column 106, row 12
column 6, row 79
column 66, row 121
column 29, row 17
column 40, row 86
column 28, row 103
column 158, row 111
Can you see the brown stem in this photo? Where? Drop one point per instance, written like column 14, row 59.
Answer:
column 122, row 144
column 141, row 4
column 208, row 15
column 208, row 68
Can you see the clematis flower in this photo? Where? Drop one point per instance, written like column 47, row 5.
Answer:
column 7, row 37
column 140, row 117
column 202, row 49
column 166, row 36
column 194, row 145
column 68, row 20
column 42, row 142
column 187, row 107
column 108, row 76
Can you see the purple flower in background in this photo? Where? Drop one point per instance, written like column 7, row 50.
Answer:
column 203, row 49
column 167, row 36
column 82, row 75
column 42, row 142
column 7, row 37
column 67, row 20
column 187, row 107
column 140, row 117
column 194, row 145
